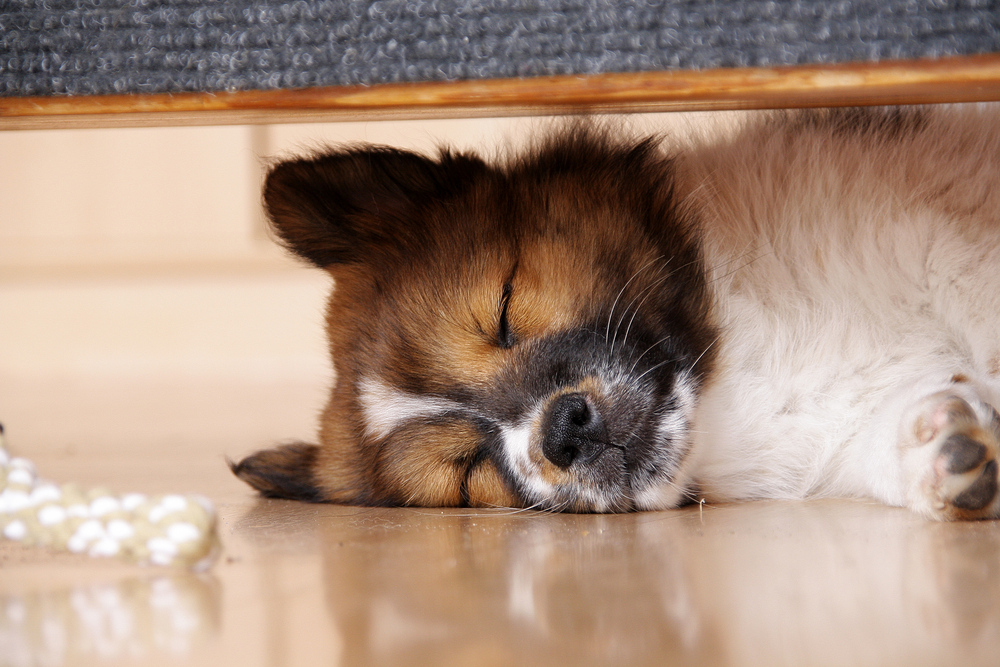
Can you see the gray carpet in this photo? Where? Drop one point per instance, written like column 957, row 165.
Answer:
column 85, row 47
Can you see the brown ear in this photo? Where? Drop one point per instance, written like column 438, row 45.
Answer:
column 344, row 205
column 283, row 472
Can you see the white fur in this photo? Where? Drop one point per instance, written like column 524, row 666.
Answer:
column 852, row 277
column 517, row 445
column 386, row 408
column 674, row 428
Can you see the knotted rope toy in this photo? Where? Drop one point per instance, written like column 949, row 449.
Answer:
column 150, row 530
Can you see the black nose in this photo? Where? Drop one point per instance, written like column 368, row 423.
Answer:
column 575, row 431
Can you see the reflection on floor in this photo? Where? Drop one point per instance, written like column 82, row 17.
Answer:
column 820, row 583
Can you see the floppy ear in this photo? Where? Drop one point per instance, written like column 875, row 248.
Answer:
column 337, row 207
column 282, row 472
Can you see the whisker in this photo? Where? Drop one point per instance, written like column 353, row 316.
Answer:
column 639, row 358
column 645, row 294
column 511, row 511
column 742, row 266
column 555, row 508
column 706, row 350
column 639, row 306
column 651, row 369
column 607, row 329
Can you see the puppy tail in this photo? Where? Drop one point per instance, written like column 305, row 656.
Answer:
column 282, row 472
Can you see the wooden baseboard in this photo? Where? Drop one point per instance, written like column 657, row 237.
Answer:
column 965, row 79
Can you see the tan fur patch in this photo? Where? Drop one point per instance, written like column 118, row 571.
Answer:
column 486, row 488
column 424, row 464
column 551, row 290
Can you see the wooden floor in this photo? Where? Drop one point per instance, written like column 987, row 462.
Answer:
column 810, row 583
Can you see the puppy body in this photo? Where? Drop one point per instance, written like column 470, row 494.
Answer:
column 853, row 261
column 808, row 305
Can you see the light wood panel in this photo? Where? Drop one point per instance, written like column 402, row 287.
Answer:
column 966, row 79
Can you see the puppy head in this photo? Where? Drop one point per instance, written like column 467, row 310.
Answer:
column 526, row 334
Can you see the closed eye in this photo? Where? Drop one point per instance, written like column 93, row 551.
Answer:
column 505, row 335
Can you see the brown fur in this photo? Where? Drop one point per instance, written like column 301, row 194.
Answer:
column 451, row 276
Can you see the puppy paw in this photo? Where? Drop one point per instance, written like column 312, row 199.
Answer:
column 952, row 457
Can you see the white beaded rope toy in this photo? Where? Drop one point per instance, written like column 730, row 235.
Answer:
column 154, row 530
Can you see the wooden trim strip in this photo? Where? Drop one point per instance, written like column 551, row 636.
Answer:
column 965, row 79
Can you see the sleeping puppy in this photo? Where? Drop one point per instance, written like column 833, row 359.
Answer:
column 806, row 306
